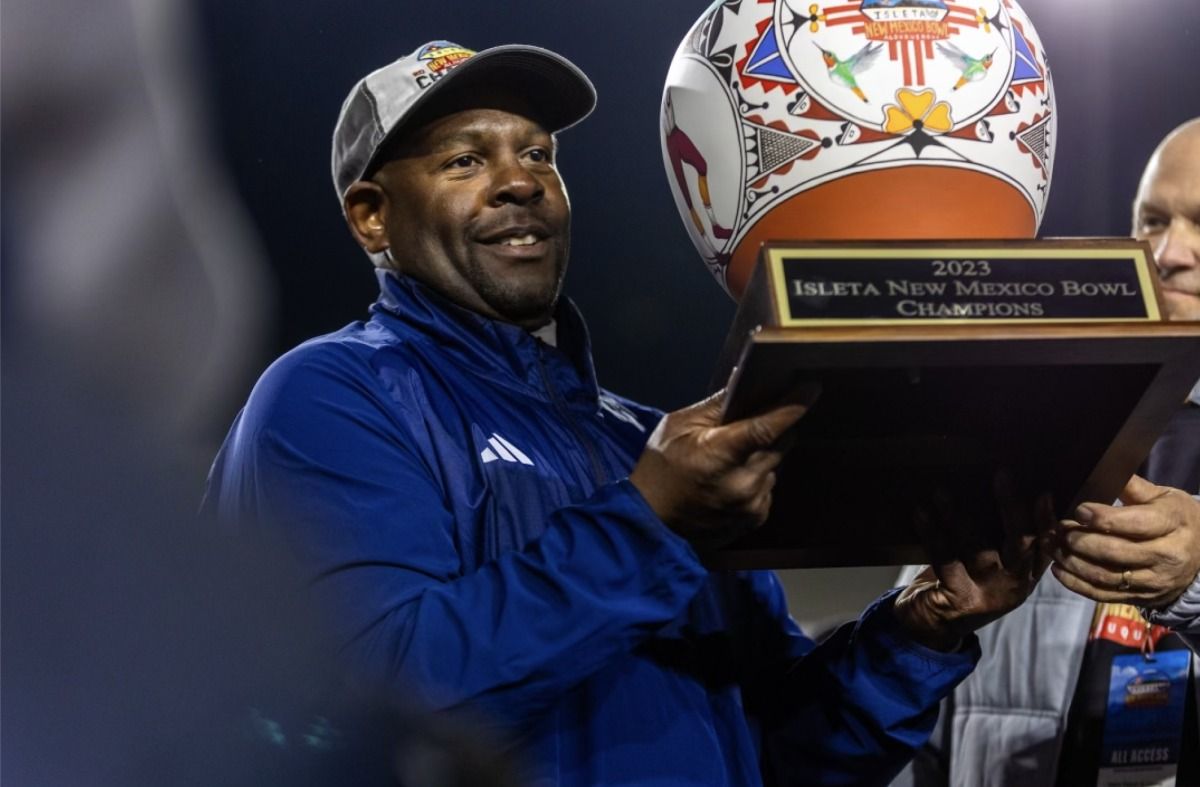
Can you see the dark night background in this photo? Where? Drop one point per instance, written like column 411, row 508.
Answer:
column 1125, row 74
column 134, row 304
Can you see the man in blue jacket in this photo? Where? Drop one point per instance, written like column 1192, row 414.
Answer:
column 493, row 531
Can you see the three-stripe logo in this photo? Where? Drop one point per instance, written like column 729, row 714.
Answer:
column 499, row 448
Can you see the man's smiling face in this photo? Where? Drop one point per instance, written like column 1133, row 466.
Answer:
column 475, row 210
column 1167, row 214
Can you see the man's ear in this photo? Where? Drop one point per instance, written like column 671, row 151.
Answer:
column 366, row 205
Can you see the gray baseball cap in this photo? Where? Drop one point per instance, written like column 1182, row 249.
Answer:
column 383, row 100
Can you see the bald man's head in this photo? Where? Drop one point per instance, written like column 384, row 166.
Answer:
column 1167, row 214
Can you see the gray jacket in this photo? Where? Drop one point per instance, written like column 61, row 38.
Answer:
column 1003, row 725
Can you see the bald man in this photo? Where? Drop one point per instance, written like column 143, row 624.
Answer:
column 1049, row 705
column 1147, row 552
column 1167, row 214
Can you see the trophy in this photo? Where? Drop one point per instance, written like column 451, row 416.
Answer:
column 866, row 178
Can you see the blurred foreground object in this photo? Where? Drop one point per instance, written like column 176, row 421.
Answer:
column 142, row 647
column 125, row 250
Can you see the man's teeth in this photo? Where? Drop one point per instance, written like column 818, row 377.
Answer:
column 520, row 240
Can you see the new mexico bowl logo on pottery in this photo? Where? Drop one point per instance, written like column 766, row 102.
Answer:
column 874, row 119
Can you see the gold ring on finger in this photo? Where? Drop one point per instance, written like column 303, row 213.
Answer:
column 1124, row 580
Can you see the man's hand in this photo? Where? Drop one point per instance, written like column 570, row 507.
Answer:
column 966, row 587
column 711, row 483
column 1145, row 552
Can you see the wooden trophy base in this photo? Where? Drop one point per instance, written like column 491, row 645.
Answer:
column 912, row 409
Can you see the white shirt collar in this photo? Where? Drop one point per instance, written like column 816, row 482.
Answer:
column 548, row 333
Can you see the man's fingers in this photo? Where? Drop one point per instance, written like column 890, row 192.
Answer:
column 1098, row 575
column 1139, row 490
column 1105, row 550
column 744, row 437
column 761, row 505
column 936, row 538
column 1135, row 521
column 739, row 487
column 764, row 461
column 711, row 482
column 1081, row 586
column 1102, row 592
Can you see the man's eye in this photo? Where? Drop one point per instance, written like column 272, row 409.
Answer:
column 1151, row 223
column 462, row 161
column 540, row 155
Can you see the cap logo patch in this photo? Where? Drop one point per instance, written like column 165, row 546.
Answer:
column 438, row 58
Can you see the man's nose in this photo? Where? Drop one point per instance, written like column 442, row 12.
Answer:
column 514, row 183
column 1178, row 247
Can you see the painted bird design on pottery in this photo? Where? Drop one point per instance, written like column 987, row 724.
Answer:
column 843, row 71
column 972, row 69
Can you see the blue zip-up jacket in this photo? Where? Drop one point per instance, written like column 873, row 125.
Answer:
column 458, row 492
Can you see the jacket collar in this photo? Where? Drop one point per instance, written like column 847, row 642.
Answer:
column 505, row 354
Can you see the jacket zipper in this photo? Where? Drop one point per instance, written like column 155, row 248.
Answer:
column 600, row 476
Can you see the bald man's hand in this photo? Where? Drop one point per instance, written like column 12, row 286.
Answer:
column 1144, row 552
column 712, row 483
